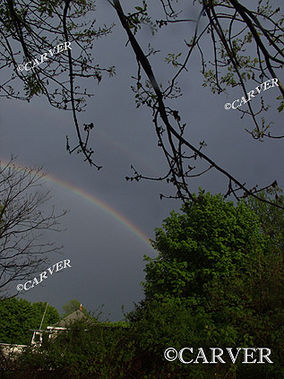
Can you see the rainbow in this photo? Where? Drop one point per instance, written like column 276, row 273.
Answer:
column 86, row 196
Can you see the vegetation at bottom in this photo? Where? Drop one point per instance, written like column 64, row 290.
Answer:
column 217, row 281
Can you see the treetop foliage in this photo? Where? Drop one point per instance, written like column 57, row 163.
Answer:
column 19, row 316
column 217, row 280
column 211, row 239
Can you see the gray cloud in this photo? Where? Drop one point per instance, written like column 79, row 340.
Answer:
column 106, row 256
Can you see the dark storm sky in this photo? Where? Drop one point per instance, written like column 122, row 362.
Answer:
column 107, row 256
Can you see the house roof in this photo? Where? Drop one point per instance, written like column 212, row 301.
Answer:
column 76, row 315
column 79, row 315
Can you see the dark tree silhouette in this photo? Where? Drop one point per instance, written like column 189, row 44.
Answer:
column 23, row 221
column 246, row 48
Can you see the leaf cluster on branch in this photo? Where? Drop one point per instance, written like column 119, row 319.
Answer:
column 246, row 46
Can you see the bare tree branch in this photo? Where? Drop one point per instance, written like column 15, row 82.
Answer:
column 23, row 222
column 175, row 157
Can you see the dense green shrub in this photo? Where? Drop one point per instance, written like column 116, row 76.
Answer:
column 19, row 316
column 217, row 281
column 87, row 349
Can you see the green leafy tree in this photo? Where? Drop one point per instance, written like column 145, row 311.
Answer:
column 212, row 284
column 272, row 218
column 19, row 316
column 217, row 262
column 51, row 316
column 210, row 240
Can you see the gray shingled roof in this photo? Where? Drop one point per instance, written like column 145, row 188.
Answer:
column 77, row 315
